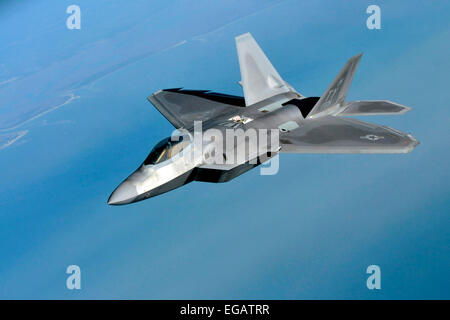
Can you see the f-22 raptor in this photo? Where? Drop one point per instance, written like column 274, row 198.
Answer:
column 303, row 124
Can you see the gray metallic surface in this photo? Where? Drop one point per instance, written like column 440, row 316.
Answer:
column 331, row 134
column 337, row 91
column 375, row 107
column 320, row 128
column 182, row 109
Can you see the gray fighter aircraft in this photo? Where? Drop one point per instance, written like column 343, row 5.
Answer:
column 304, row 125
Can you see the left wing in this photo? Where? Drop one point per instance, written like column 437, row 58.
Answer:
column 183, row 107
column 331, row 134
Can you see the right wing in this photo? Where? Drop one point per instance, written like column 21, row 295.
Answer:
column 331, row 134
column 183, row 107
column 374, row 107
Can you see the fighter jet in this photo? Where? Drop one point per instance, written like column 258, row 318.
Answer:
column 302, row 124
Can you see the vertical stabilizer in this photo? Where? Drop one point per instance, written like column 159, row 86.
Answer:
column 335, row 95
column 260, row 80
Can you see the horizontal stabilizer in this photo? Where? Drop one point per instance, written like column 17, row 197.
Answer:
column 374, row 107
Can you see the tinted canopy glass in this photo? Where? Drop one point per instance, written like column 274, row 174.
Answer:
column 166, row 149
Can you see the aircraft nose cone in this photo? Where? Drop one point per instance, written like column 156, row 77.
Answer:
column 125, row 193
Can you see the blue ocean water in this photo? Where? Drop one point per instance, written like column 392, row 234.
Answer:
column 76, row 100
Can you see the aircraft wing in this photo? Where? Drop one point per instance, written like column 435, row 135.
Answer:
column 183, row 107
column 331, row 134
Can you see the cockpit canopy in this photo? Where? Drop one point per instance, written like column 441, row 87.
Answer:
column 166, row 149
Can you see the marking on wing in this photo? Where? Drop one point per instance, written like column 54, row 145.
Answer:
column 372, row 137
